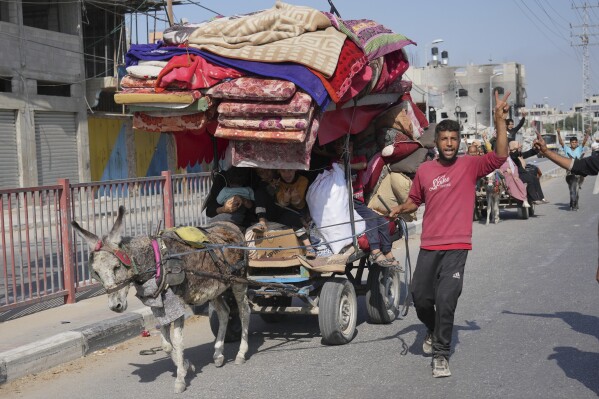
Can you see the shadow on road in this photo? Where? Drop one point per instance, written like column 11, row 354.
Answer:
column 576, row 364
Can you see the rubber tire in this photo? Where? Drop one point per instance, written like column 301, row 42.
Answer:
column 233, row 333
column 477, row 213
column 274, row 301
column 523, row 212
column 338, row 311
column 384, row 294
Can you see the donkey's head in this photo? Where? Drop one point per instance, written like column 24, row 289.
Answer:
column 108, row 264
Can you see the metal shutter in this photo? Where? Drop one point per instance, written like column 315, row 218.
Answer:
column 9, row 164
column 56, row 147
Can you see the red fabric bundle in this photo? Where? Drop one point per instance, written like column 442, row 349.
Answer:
column 196, row 146
column 193, row 71
column 352, row 61
column 401, row 148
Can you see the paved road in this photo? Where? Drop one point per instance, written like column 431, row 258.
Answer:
column 527, row 326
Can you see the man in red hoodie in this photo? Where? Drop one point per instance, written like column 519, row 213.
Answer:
column 446, row 186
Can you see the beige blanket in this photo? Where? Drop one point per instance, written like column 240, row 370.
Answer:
column 284, row 33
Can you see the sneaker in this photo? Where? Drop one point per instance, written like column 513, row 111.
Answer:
column 440, row 366
column 526, row 204
column 427, row 345
column 544, row 201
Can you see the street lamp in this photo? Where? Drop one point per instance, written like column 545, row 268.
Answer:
column 426, row 88
column 491, row 99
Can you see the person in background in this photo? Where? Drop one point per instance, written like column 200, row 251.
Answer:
column 511, row 130
column 573, row 151
column 581, row 167
column 445, row 186
column 595, row 146
column 533, row 185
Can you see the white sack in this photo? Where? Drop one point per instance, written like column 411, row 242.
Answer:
column 328, row 200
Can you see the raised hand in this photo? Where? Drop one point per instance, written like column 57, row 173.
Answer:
column 501, row 106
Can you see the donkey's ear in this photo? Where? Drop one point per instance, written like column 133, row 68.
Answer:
column 90, row 238
column 115, row 234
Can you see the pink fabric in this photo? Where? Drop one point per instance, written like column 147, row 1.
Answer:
column 169, row 124
column 254, row 89
column 193, row 72
column 129, row 81
column 270, row 136
column 515, row 186
column 299, row 104
column 339, row 122
column 265, row 122
column 275, row 155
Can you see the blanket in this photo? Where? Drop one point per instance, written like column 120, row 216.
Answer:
column 271, row 136
column 169, row 124
column 275, row 155
column 253, row 89
column 299, row 104
column 281, row 123
column 284, row 33
column 298, row 74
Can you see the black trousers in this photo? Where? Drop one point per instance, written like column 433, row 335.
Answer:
column 533, row 185
column 436, row 287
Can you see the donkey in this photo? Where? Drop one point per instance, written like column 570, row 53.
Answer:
column 112, row 256
column 494, row 188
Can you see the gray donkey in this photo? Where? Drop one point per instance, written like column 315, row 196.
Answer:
column 117, row 262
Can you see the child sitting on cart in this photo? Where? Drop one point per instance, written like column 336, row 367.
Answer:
column 289, row 191
column 377, row 227
column 242, row 198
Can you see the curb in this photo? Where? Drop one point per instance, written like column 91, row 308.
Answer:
column 71, row 345
column 553, row 173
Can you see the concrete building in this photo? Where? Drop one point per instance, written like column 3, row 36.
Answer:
column 43, row 115
column 60, row 64
column 465, row 93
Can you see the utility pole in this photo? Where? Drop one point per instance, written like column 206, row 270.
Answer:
column 585, row 42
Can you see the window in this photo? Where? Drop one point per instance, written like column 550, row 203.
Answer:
column 461, row 115
column 480, row 90
column 462, row 93
column 4, row 11
column 5, row 84
column 46, row 14
column 444, row 115
column 499, row 90
column 53, row 89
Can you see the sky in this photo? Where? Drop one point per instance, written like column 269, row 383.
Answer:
column 538, row 34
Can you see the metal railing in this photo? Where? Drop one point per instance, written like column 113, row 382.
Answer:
column 40, row 256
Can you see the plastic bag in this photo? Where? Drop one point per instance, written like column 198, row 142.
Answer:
column 328, row 200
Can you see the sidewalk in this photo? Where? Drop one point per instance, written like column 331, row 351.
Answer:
column 39, row 341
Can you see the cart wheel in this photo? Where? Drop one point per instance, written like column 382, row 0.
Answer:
column 233, row 326
column 531, row 210
column 523, row 212
column 338, row 311
column 273, row 301
column 383, row 295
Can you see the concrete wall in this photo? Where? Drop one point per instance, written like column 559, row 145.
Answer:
column 30, row 55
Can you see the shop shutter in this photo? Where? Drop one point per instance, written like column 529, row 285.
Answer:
column 56, row 147
column 9, row 164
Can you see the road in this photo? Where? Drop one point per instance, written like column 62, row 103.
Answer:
column 527, row 326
